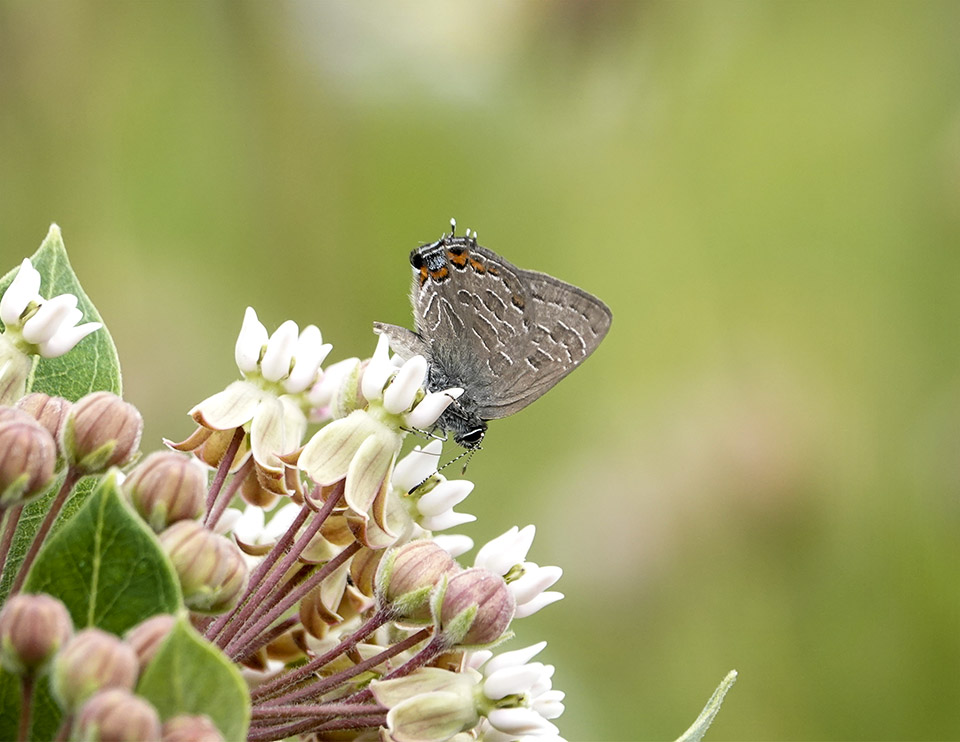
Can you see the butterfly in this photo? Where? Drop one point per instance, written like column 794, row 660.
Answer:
column 503, row 334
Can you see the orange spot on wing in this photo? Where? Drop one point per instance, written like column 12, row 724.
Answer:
column 440, row 273
column 458, row 258
column 477, row 266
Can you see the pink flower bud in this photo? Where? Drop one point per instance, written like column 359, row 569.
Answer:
column 147, row 636
column 117, row 715
column 101, row 430
column 487, row 594
column 185, row 728
column 212, row 571
column 28, row 455
column 166, row 487
column 32, row 630
column 408, row 576
column 92, row 660
column 49, row 411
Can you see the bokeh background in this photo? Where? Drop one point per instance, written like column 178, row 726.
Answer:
column 760, row 467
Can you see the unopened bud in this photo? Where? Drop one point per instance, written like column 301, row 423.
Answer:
column 92, row 660
column 28, row 456
column 408, row 575
column 147, row 636
column 32, row 630
column 212, row 571
column 166, row 487
column 477, row 607
column 101, row 430
column 185, row 728
column 49, row 411
column 117, row 715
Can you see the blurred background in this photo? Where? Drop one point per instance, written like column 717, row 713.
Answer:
column 760, row 467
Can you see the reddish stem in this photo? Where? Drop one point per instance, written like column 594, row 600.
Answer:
column 222, row 470
column 71, row 479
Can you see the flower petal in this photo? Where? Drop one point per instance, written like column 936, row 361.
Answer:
column 520, row 721
column 541, row 601
column 444, row 496
column 425, row 414
column 279, row 353
column 24, row 288
column 307, row 357
column 231, row 408
column 377, row 371
column 416, row 466
column 506, row 550
column 368, row 469
column 445, row 520
column 49, row 317
column 327, row 456
column 250, row 341
column 402, row 392
column 514, row 658
column 454, row 544
column 66, row 339
column 512, row 680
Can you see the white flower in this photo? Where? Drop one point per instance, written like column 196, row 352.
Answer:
column 432, row 510
column 44, row 327
column 362, row 447
column 276, row 370
column 527, row 685
column 528, row 582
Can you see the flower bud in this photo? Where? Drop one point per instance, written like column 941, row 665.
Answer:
column 477, row 607
column 116, row 715
column 101, row 430
column 147, row 636
column 28, row 455
column 212, row 571
column 409, row 574
column 186, row 728
column 166, row 487
column 92, row 660
column 32, row 629
column 49, row 411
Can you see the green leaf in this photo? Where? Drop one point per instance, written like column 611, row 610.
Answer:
column 106, row 565
column 189, row 675
column 91, row 366
column 702, row 724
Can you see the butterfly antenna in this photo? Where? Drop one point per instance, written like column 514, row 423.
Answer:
column 453, row 226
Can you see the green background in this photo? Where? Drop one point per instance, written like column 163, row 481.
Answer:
column 760, row 467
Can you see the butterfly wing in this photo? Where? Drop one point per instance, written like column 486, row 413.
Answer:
column 562, row 326
column 504, row 334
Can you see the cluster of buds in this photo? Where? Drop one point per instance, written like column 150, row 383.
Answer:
column 92, row 673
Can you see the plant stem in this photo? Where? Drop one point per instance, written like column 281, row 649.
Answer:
column 220, row 477
column 71, row 479
column 259, row 587
column 10, row 521
column 26, row 707
column 213, row 516
column 332, row 681
column 289, row 679
column 263, row 623
column 271, row 558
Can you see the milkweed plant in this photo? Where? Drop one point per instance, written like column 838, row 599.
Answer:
column 284, row 572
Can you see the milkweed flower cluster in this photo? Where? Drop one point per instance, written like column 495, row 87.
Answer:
column 354, row 595
column 285, row 571
column 324, row 563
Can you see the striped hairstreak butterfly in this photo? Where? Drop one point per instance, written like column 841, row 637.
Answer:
column 503, row 334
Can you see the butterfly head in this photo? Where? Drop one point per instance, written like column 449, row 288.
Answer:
column 472, row 438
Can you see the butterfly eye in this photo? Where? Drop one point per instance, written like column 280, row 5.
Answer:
column 472, row 438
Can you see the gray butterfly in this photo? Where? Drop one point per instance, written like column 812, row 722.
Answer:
column 505, row 335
